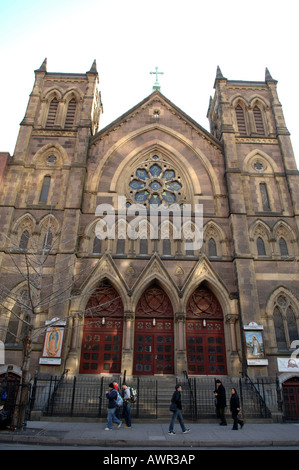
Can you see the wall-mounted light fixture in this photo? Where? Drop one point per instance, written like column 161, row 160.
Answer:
column 204, row 323
column 103, row 320
column 154, row 322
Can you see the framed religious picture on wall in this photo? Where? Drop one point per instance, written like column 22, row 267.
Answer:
column 254, row 345
column 53, row 342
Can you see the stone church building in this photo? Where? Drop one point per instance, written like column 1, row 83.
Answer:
column 137, row 294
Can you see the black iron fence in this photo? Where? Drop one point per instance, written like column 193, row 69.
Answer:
column 85, row 396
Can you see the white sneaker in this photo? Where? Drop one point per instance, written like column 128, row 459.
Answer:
column 108, row 429
column 119, row 425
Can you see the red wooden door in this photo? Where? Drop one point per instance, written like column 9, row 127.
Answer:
column 153, row 352
column 102, row 333
column 153, row 347
column 101, row 346
column 291, row 398
column 205, row 334
column 205, row 348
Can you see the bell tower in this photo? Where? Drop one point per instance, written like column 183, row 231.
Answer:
column 62, row 107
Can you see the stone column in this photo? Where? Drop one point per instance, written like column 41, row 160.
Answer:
column 128, row 349
column 73, row 359
column 231, row 319
column 180, row 349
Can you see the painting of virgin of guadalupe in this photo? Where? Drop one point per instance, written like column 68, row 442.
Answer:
column 53, row 342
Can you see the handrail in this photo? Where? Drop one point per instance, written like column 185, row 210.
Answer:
column 53, row 394
column 264, row 410
column 191, row 394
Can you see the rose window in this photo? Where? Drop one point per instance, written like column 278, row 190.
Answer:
column 155, row 182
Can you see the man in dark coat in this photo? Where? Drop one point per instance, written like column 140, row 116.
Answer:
column 111, row 395
column 235, row 408
column 220, row 396
column 176, row 409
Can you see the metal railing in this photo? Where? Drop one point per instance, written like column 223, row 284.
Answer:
column 85, row 396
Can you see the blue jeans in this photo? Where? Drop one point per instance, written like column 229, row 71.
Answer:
column 177, row 414
column 112, row 418
column 127, row 413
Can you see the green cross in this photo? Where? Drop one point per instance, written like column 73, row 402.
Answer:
column 156, row 85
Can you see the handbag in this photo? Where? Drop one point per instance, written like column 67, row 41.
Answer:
column 4, row 395
column 173, row 407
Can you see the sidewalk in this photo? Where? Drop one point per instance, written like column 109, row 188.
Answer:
column 154, row 435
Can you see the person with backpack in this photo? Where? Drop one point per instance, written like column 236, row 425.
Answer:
column 127, row 405
column 111, row 395
column 117, row 411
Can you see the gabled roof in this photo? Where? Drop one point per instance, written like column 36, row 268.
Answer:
column 154, row 96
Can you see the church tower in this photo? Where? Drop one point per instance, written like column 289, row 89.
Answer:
column 263, row 192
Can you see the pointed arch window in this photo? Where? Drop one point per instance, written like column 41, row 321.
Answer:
column 283, row 248
column 70, row 115
column 285, row 323
column 258, row 119
column 45, row 189
column 189, row 251
column 240, row 116
column 47, row 243
column 264, row 196
column 120, row 246
column 212, row 248
column 24, row 240
column 261, row 251
column 52, row 113
column 292, row 325
column 19, row 320
column 97, row 246
column 166, row 247
column 279, row 330
column 143, row 246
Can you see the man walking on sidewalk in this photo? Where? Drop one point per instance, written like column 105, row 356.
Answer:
column 112, row 396
column 220, row 396
column 176, row 408
column 127, row 406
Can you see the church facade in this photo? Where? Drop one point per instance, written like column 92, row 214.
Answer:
column 159, row 247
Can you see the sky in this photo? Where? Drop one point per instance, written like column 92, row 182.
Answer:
column 186, row 40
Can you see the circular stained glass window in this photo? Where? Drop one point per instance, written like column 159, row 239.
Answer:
column 155, row 182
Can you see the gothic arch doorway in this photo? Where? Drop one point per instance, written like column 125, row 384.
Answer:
column 102, row 332
column 154, row 333
column 205, row 334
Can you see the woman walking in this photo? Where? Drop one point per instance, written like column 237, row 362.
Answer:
column 235, row 408
column 176, row 407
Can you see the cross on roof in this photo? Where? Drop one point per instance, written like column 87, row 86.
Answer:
column 156, row 84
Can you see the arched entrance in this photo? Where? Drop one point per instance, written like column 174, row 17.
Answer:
column 290, row 389
column 102, row 332
column 154, row 341
column 205, row 334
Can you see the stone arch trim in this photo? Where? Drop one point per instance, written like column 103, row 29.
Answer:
column 203, row 272
column 51, row 149
column 281, row 290
column 254, row 154
column 156, row 272
column 131, row 136
column 105, row 269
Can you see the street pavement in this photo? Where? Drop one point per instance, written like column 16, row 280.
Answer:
column 154, row 435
